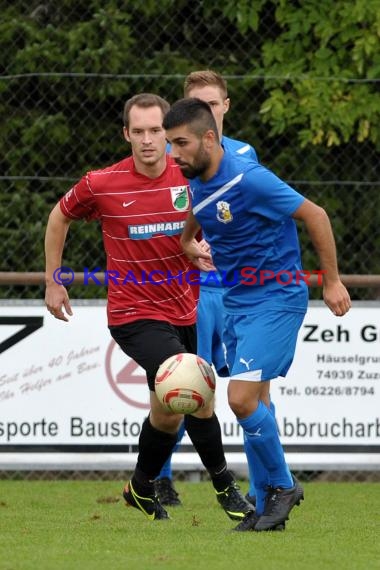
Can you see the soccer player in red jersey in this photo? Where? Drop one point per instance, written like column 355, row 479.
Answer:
column 211, row 87
column 142, row 203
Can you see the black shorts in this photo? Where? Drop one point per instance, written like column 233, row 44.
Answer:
column 149, row 342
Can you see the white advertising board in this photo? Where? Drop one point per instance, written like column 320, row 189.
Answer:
column 66, row 389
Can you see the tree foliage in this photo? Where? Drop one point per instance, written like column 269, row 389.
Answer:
column 303, row 79
column 328, row 53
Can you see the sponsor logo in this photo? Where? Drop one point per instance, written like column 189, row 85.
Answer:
column 147, row 231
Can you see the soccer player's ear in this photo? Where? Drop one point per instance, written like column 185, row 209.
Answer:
column 125, row 133
column 209, row 139
column 226, row 105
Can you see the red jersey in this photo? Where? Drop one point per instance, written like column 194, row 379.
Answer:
column 142, row 220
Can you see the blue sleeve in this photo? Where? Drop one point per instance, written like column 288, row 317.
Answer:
column 253, row 154
column 241, row 148
column 266, row 194
column 249, row 152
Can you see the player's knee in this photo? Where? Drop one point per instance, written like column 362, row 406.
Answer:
column 241, row 405
column 207, row 411
column 240, row 408
column 244, row 396
column 163, row 421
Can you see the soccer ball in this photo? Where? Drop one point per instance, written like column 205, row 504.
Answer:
column 184, row 383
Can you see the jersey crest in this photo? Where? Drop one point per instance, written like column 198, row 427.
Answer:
column 223, row 213
column 180, row 198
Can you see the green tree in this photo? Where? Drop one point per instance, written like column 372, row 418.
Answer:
column 322, row 67
column 302, row 77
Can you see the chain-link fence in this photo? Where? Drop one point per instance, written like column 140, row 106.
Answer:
column 67, row 68
column 93, row 475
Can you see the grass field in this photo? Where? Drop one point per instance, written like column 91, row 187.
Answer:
column 84, row 525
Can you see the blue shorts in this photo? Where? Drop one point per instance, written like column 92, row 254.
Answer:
column 261, row 346
column 210, row 327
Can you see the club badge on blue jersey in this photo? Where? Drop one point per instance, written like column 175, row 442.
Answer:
column 180, row 198
column 223, row 213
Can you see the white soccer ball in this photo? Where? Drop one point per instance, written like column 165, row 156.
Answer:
column 185, row 383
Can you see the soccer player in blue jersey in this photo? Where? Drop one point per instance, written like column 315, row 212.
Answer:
column 210, row 87
column 248, row 216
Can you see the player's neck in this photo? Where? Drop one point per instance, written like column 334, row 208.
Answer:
column 216, row 158
column 150, row 170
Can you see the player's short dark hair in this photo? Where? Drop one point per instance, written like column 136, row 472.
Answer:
column 192, row 112
column 144, row 100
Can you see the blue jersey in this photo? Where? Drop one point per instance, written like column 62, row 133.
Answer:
column 245, row 213
column 244, row 149
column 241, row 148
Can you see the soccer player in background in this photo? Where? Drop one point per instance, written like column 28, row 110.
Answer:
column 248, row 217
column 142, row 203
column 210, row 87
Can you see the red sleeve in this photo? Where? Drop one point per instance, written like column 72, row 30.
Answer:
column 79, row 202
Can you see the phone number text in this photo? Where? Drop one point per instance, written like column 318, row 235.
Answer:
column 327, row 391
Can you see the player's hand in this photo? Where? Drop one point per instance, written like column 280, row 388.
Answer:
column 198, row 256
column 57, row 299
column 205, row 246
column 337, row 298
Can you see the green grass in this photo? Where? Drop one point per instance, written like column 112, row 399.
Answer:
column 84, row 525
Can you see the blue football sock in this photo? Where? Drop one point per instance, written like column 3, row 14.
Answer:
column 251, row 468
column 262, row 474
column 166, row 470
column 261, row 433
column 258, row 475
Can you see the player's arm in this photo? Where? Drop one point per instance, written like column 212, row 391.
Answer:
column 195, row 251
column 319, row 229
column 56, row 296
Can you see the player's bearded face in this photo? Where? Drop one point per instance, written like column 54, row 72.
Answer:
column 198, row 165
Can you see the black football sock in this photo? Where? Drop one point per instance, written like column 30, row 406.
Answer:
column 206, row 437
column 155, row 447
